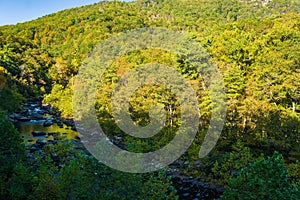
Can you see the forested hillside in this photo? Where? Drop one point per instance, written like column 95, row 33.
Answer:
column 256, row 47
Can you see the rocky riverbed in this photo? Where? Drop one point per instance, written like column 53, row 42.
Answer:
column 36, row 121
column 40, row 126
column 192, row 188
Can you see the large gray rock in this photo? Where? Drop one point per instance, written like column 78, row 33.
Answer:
column 48, row 123
column 24, row 119
column 41, row 142
column 69, row 122
column 38, row 133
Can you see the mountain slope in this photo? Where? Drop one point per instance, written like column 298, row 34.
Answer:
column 256, row 48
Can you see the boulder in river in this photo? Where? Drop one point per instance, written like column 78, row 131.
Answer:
column 15, row 116
column 38, row 133
column 24, row 119
column 41, row 142
column 53, row 134
column 48, row 123
column 69, row 122
column 33, row 149
column 59, row 124
column 37, row 116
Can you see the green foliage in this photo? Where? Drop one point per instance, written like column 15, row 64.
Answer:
column 233, row 162
column 9, row 95
column 264, row 179
column 158, row 186
column 62, row 173
column 20, row 184
column 10, row 100
column 7, row 59
column 77, row 180
column 86, row 178
column 61, row 99
column 255, row 46
column 12, row 151
column 45, row 186
column 294, row 171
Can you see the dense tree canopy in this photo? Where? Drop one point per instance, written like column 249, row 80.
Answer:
column 255, row 45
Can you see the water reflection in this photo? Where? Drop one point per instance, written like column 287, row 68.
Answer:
column 26, row 128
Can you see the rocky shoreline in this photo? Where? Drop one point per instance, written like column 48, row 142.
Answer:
column 33, row 110
column 34, row 113
column 191, row 188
